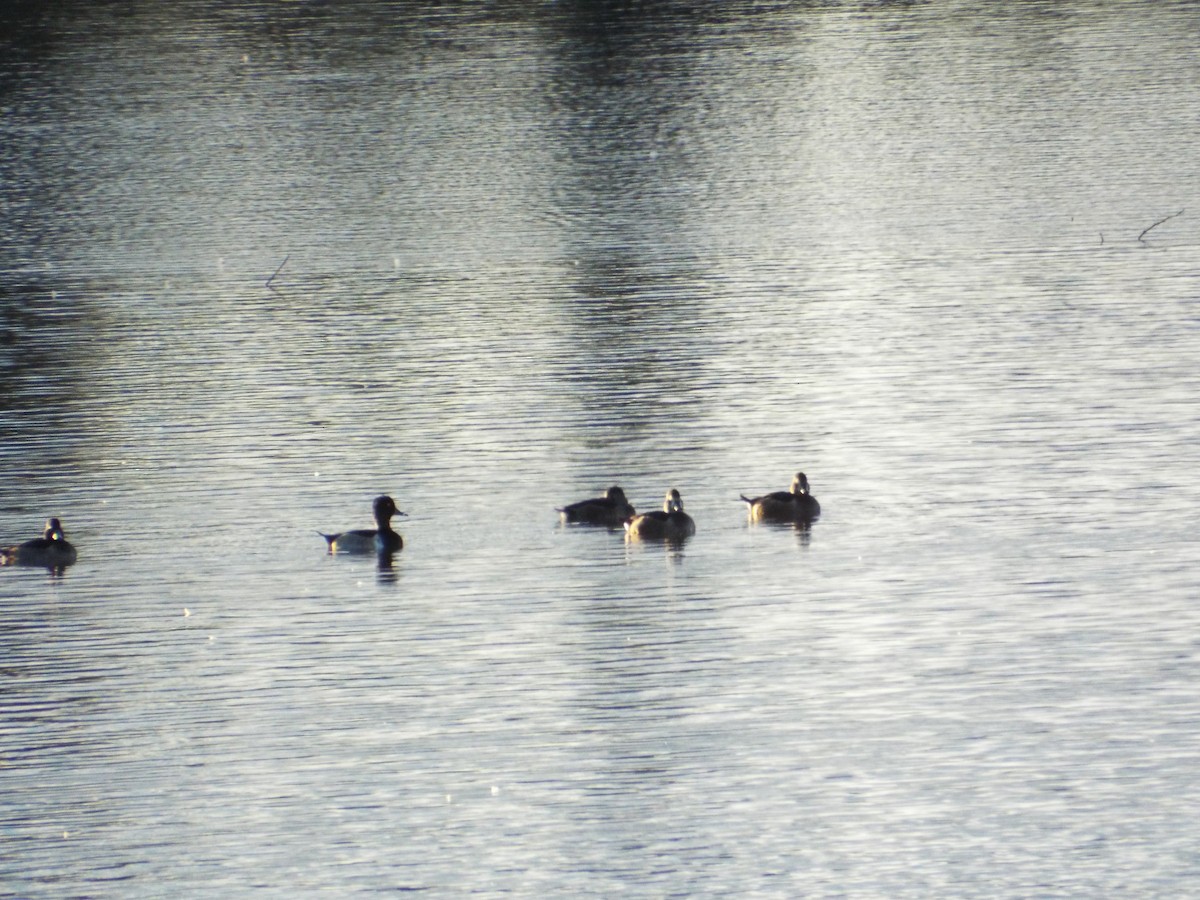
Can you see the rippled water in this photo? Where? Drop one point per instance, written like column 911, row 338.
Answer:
column 517, row 255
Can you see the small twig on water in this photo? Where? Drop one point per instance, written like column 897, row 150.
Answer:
column 1159, row 222
column 289, row 256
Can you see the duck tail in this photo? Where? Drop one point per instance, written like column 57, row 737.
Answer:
column 747, row 499
column 329, row 538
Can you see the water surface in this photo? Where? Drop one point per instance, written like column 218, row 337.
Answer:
column 520, row 255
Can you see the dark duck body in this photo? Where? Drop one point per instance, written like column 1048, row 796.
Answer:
column 670, row 523
column 381, row 539
column 796, row 505
column 610, row 510
column 51, row 550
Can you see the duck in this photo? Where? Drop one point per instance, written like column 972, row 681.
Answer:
column 381, row 540
column 796, row 505
column 612, row 510
column 52, row 549
column 670, row 523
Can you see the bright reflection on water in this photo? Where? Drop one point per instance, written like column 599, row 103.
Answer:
column 526, row 253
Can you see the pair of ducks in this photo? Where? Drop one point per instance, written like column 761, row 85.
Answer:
column 53, row 551
column 613, row 510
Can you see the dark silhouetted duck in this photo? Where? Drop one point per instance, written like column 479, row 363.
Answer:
column 796, row 505
column 670, row 523
column 363, row 540
column 612, row 510
column 51, row 550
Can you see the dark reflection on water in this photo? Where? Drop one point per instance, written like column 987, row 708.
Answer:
column 535, row 251
column 385, row 567
column 802, row 530
column 636, row 335
column 43, row 369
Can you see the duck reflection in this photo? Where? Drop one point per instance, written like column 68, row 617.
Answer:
column 385, row 568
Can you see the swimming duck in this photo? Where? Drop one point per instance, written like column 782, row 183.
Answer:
column 796, row 505
column 612, row 510
column 52, row 549
column 363, row 540
column 670, row 523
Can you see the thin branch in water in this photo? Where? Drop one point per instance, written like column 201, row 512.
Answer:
column 289, row 256
column 1159, row 222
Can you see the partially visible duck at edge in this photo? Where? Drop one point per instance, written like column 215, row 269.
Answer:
column 364, row 540
column 51, row 550
column 670, row 523
column 796, row 505
column 611, row 510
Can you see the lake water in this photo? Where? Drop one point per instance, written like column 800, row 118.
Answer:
column 517, row 253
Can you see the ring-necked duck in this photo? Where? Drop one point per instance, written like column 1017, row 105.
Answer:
column 612, row 510
column 670, row 523
column 52, row 549
column 797, row 505
column 363, row 540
